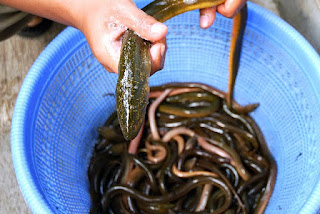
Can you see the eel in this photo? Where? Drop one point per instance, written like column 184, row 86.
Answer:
column 132, row 90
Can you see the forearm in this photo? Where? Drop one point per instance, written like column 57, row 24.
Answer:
column 62, row 11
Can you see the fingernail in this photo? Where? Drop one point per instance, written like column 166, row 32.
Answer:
column 204, row 20
column 158, row 28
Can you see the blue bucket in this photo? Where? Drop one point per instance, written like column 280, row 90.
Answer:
column 65, row 97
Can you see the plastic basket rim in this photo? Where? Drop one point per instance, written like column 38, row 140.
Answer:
column 33, row 196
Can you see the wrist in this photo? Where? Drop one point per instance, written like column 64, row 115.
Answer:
column 65, row 12
column 75, row 13
column 80, row 13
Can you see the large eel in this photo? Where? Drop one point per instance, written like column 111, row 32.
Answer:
column 132, row 90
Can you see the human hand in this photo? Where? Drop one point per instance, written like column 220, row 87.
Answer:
column 228, row 9
column 104, row 23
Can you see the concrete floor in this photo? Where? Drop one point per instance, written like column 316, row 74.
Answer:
column 303, row 16
column 16, row 57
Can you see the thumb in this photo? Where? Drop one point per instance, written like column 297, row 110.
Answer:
column 146, row 26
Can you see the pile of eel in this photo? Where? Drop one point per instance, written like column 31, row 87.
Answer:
column 179, row 147
column 193, row 155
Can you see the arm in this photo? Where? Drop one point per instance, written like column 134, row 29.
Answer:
column 102, row 22
column 62, row 11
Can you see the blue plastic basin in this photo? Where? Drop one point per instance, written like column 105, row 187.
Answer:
column 64, row 98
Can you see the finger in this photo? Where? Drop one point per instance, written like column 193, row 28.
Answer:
column 146, row 26
column 231, row 7
column 207, row 17
column 108, row 52
column 158, row 54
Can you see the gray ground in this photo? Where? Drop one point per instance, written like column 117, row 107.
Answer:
column 16, row 56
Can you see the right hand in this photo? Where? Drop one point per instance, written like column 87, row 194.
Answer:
column 104, row 21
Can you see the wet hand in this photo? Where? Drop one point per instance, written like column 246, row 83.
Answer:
column 104, row 24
